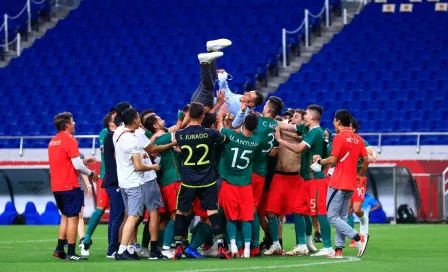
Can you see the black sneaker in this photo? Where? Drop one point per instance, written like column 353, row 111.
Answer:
column 125, row 256
column 59, row 254
column 157, row 255
column 317, row 237
column 75, row 258
column 135, row 255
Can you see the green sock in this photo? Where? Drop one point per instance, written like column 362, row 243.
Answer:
column 207, row 234
column 255, row 231
column 247, row 231
column 161, row 236
column 350, row 221
column 300, row 227
column 93, row 222
column 231, row 229
column 195, row 230
column 325, row 230
column 169, row 234
column 308, row 225
column 273, row 228
column 146, row 236
column 239, row 237
column 197, row 239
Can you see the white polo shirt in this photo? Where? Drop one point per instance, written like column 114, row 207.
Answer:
column 144, row 142
column 127, row 144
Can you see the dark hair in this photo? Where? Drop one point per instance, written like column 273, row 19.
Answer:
column 107, row 119
column 129, row 115
column 150, row 122
column 251, row 122
column 61, row 120
column 186, row 108
column 344, row 116
column 196, row 110
column 318, row 109
column 209, row 120
column 259, row 99
column 276, row 105
column 145, row 112
column 300, row 111
column 355, row 125
column 278, row 118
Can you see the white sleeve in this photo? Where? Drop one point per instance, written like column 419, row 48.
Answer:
column 143, row 140
column 79, row 166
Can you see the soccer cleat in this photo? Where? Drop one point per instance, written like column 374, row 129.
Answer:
column 217, row 45
column 222, row 254
column 317, row 237
column 193, row 253
column 324, row 252
column 59, row 254
column 362, row 245
column 111, row 256
column 85, row 250
column 142, row 252
column 246, row 253
column 299, row 250
column 255, row 252
column 157, row 255
column 352, row 243
column 275, row 249
column 337, row 254
column 209, row 57
column 75, row 258
column 178, row 253
column 168, row 252
column 211, row 252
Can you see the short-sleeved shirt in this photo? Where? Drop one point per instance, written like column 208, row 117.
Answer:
column 126, row 145
column 265, row 132
column 369, row 202
column 110, row 164
column 169, row 166
column 144, row 142
column 235, row 165
column 101, row 138
column 61, row 150
column 359, row 165
column 348, row 147
column 314, row 139
column 196, row 144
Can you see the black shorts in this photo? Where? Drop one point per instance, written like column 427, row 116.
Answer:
column 69, row 202
column 207, row 195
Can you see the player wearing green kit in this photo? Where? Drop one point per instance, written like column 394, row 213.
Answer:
column 313, row 191
column 265, row 132
column 235, row 168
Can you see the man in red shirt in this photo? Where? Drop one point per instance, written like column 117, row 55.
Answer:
column 65, row 162
column 347, row 148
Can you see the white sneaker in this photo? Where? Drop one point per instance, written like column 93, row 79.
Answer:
column 217, row 45
column 209, row 57
column 111, row 256
column 328, row 251
column 310, row 245
column 299, row 250
column 273, row 250
column 169, row 253
column 211, row 252
column 84, row 252
column 362, row 245
column 246, row 253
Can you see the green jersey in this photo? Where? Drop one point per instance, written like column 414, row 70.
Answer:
column 148, row 134
column 314, row 139
column 169, row 166
column 102, row 136
column 359, row 165
column 265, row 132
column 235, row 165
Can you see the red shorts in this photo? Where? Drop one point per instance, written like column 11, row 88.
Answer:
column 257, row 188
column 102, row 198
column 198, row 211
column 237, row 201
column 283, row 193
column 169, row 195
column 360, row 190
column 317, row 196
column 301, row 204
column 263, row 203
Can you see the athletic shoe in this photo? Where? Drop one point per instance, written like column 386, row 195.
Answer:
column 126, row 256
column 317, row 237
column 299, row 250
column 142, row 252
column 324, row 252
column 352, row 243
column 59, row 254
column 157, row 255
column 310, row 245
column 209, row 57
column 337, row 254
column 275, row 249
column 111, row 256
column 85, row 250
column 362, row 245
column 178, row 253
column 75, row 258
column 193, row 253
column 217, row 45
column 211, row 252
column 222, row 254
column 246, row 253
column 168, row 253
column 255, row 252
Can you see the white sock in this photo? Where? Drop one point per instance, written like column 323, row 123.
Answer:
column 233, row 245
column 246, row 246
column 309, row 240
column 131, row 249
column 276, row 243
column 121, row 249
column 364, row 224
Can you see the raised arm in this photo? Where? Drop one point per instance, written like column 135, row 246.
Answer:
column 297, row 148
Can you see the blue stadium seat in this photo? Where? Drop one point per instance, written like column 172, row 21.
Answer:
column 31, row 214
column 51, row 215
column 9, row 214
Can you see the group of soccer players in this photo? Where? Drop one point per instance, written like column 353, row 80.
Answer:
column 236, row 169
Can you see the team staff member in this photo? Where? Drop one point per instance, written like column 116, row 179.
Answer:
column 65, row 161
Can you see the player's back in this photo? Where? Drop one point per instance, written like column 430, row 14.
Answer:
column 196, row 144
column 265, row 132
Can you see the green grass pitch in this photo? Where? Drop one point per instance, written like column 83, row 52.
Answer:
column 397, row 248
